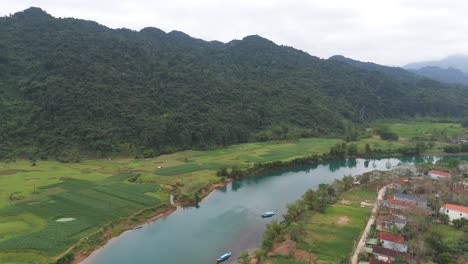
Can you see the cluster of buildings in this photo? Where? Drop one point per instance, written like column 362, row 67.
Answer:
column 387, row 245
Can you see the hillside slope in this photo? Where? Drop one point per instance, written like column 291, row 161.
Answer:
column 69, row 86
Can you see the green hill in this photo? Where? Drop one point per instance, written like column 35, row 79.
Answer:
column 71, row 86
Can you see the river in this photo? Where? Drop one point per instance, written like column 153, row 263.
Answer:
column 229, row 219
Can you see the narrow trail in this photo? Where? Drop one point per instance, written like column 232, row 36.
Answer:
column 362, row 241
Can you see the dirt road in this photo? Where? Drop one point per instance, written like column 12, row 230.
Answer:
column 362, row 241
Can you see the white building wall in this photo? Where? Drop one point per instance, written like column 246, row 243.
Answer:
column 453, row 214
column 394, row 246
column 436, row 176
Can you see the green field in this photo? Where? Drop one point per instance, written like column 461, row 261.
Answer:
column 97, row 192
column 424, row 130
column 330, row 239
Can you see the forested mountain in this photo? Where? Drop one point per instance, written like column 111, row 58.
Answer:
column 450, row 75
column 459, row 62
column 69, row 86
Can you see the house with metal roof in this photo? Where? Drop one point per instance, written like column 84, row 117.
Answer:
column 393, row 242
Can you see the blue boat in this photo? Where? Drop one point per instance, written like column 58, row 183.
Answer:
column 268, row 214
column 224, row 257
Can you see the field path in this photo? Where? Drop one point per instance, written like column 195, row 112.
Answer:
column 362, row 241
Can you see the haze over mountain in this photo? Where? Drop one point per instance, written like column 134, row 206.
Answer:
column 452, row 69
column 69, row 86
column 459, row 61
column 450, row 75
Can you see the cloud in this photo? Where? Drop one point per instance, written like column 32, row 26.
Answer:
column 387, row 32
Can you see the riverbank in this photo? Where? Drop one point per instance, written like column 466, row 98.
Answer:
column 108, row 235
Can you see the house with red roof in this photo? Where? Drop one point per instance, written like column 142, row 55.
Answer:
column 393, row 242
column 385, row 254
column 454, row 211
column 435, row 174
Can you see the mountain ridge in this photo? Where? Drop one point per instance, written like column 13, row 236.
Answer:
column 72, row 86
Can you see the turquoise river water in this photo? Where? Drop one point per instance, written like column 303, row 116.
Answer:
column 229, row 219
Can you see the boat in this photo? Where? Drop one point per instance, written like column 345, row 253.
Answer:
column 136, row 227
column 224, row 257
column 268, row 214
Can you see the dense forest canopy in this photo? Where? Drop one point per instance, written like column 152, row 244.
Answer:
column 73, row 86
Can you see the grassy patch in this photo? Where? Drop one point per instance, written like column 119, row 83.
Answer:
column 30, row 257
column 330, row 239
column 424, row 130
column 21, row 224
column 449, row 233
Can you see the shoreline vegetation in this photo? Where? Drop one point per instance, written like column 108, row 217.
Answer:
column 180, row 173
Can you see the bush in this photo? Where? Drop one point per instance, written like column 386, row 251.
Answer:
column 385, row 133
column 452, row 149
column 66, row 259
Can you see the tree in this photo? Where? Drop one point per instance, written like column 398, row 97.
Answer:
column 295, row 209
column 296, row 231
column 445, row 258
column 367, row 150
column 444, row 218
column 385, row 133
column 348, row 182
column 272, row 231
column 352, row 149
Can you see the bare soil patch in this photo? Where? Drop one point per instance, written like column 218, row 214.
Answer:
column 345, row 202
column 343, row 220
column 288, row 248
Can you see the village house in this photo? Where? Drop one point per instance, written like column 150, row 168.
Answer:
column 393, row 242
column 435, row 174
column 386, row 222
column 454, row 211
column 387, row 255
column 419, row 202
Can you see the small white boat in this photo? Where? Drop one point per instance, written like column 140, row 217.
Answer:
column 224, row 257
column 268, row 214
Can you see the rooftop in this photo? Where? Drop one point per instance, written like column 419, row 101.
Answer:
column 392, row 238
column 410, row 197
column 456, row 207
column 440, row 173
column 389, row 252
column 402, row 203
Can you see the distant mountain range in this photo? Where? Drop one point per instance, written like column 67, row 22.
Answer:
column 70, row 86
column 452, row 69
column 454, row 61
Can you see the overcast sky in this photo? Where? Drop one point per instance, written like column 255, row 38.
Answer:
column 392, row 32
